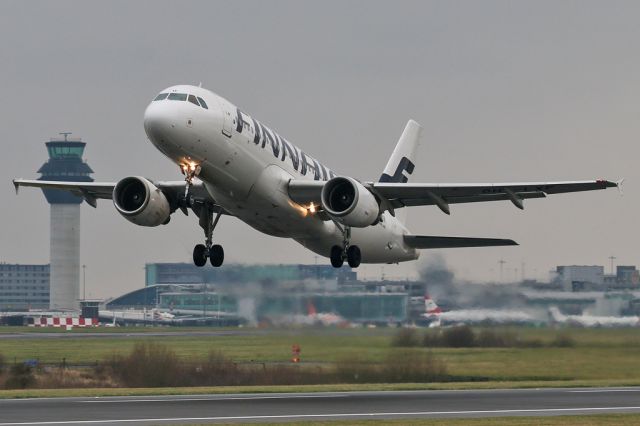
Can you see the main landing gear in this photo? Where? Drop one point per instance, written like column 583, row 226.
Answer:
column 208, row 250
column 351, row 253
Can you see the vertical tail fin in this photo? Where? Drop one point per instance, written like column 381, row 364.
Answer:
column 431, row 307
column 402, row 160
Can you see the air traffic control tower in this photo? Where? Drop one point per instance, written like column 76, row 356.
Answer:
column 65, row 164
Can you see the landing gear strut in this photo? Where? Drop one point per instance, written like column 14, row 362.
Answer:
column 214, row 252
column 349, row 252
column 190, row 171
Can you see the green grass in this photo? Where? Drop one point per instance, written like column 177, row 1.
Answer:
column 595, row 420
column 317, row 346
column 598, row 354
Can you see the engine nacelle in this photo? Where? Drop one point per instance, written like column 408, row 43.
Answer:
column 350, row 203
column 141, row 202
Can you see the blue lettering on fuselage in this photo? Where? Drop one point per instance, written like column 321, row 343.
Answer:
column 303, row 163
column 275, row 146
column 263, row 135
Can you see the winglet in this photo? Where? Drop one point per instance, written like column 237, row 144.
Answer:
column 619, row 186
column 16, row 185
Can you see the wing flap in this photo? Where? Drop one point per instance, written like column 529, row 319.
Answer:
column 411, row 202
column 436, row 242
column 418, row 190
column 424, row 194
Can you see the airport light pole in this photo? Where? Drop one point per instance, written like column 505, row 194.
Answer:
column 612, row 258
column 204, row 302
column 501, row 262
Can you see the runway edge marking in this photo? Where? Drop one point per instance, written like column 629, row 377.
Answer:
column 303, row 416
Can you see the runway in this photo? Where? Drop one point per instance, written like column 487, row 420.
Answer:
column 244, row 408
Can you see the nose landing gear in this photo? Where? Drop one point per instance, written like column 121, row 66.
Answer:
column 190, row 171
column 349, row 252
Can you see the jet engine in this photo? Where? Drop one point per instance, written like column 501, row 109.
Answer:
column 350, row 203
column 141, row 202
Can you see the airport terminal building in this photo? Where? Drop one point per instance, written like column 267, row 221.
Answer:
column 264, row 293
column 188, row 273
column 24, row 287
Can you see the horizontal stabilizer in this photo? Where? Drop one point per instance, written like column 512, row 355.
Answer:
column 434, row 242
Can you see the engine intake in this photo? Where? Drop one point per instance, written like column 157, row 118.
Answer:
column 350, row 203
column 141, row 202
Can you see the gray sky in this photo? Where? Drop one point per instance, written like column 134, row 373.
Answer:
column 506, row 91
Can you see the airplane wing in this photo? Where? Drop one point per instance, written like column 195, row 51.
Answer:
column 433, row 242
column 397, row 195
column 92, row 191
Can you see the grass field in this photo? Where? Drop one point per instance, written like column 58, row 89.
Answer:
column 597, row 420
column 597, row 354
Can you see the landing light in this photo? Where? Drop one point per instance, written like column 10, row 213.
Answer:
column 302, row 210
column 190, row 168
column 312, row 208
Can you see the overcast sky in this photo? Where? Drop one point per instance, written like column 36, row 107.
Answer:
column 506, row 91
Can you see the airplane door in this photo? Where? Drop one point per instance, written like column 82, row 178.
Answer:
column 227, row 121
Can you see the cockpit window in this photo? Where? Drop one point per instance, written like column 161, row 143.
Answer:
column 193, row 100
column 177, row 97
column 203, row 103
column 161, row 96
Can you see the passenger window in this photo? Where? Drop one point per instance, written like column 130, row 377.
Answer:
column 161, row 96
column 203, row 103
column 193, row 100
column 178, row 97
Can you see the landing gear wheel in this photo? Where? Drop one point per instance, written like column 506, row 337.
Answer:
column 354, row 256
column 200, row 255
column 216, row 255
column 336, row 257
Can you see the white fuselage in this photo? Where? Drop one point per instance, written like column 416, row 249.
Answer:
column 246, row 167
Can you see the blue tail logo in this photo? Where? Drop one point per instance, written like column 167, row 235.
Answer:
column 405, row 165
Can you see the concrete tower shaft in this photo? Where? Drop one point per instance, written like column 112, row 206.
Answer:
column 64, row 256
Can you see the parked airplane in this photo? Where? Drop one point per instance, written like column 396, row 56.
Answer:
column 586, row 320
column 313, row 317
column 235, row 165
column 435, row 317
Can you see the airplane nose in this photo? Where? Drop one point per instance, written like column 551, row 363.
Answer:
column 158, row 119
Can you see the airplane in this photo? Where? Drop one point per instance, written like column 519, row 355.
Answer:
column 324, row 318
column 234, row 165
column 434, row 316
column 153, row 316
column 312, row 318
column 586, row 320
